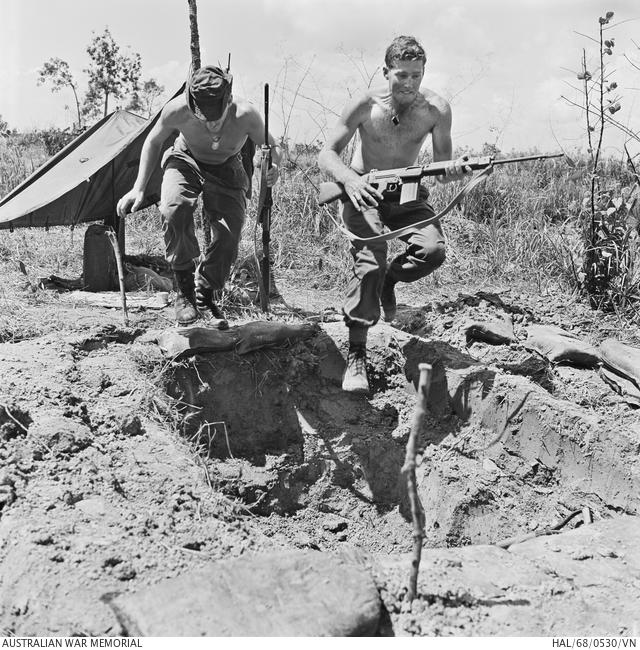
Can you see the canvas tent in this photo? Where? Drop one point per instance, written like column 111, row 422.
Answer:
column 84, row 181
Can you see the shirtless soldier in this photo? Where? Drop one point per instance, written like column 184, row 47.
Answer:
column 393, row 122
column 212, row 127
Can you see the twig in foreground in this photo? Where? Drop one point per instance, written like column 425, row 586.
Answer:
column 409, row 468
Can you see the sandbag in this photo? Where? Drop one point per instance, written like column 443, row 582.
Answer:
column 621, row 385
column 560, row 346
column 622, row 358
column 262, row 334
column 495, row 332
column 242, row 338
column 142, row 278
column 287, row 593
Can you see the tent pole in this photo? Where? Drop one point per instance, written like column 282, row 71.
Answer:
column 115, row 222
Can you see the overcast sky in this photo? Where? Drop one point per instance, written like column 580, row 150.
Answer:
column 503, row 64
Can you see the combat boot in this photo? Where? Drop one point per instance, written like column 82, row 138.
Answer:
column 185, row 302
column 355, row 374
column 388, row 299
column 207, row 307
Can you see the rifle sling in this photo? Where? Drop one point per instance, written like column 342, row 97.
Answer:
column 387, row 236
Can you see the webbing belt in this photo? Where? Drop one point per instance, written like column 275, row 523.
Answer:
column 387, row 236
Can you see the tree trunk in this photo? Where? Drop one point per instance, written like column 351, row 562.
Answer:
column 106, row 102
column 195, row 38
column 195, row 65
column 75, row 94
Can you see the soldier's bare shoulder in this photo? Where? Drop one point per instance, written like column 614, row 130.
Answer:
column 361, row 104
column 433, row 102
column 244, row 107
column 176, row 112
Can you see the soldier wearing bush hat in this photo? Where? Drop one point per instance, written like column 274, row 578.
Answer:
column 212, row 127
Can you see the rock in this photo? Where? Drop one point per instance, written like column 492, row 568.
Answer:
column 334, row 524
column 130, row 425
column 293, row 593
column 546, row 586
column 93, row 506
column 60, row 435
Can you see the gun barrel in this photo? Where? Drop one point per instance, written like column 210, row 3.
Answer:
column 540, row 156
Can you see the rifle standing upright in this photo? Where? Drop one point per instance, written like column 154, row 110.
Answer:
column 265, row 204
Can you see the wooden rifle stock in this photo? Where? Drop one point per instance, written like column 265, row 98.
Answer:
column 264, row 210
column 392, row 180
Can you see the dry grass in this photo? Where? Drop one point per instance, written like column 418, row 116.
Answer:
column 522, row 227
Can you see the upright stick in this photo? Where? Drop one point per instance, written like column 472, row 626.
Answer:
column 409, row 468
column 123, row 296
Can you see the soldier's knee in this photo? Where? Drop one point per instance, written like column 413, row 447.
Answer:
column 432, row 256
column 437, row 255
column 176, row 209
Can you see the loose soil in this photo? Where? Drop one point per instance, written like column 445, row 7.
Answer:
column 122, row 468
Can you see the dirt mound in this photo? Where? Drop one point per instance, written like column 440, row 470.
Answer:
column 123, row 469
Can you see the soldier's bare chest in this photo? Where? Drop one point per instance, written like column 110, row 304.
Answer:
column 387, row 128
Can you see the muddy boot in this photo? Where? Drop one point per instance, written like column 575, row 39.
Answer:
column 208, row 309
column 355, row 374
column 355, row 379
column 388, row 300
column 185, row 303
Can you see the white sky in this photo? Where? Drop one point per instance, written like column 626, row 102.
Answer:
column 503, row 64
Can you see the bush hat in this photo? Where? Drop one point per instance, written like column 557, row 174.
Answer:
column 208, row 92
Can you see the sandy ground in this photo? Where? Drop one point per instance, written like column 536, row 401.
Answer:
column 110, row 483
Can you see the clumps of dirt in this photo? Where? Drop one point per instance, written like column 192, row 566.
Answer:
column 61, row 436
column 101, row 338
column 16, row 456
column 534, row 367
column 14, row 420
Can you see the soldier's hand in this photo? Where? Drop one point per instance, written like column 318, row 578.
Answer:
column 130, row 202
column 456, row 170
column 361, row 194
column 272, row 175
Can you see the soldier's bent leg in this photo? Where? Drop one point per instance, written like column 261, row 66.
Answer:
column 362, row 301
column 179, row 193
column 225, row 210
column 425, row 252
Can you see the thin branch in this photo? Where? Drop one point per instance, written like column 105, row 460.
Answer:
column 586, row 36
column 409, row 469
column 622, row 22
column 297, row 93
column 637, row 67
column 8, row 412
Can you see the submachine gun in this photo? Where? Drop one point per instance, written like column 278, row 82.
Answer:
column 407, row 179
